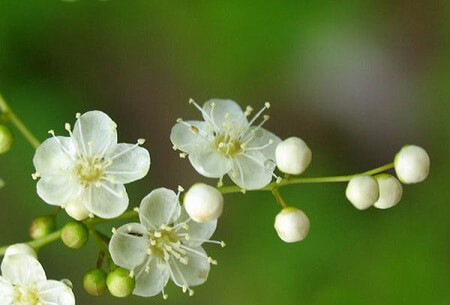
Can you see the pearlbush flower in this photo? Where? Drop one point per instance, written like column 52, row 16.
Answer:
column 89, row 168
column 203, row 202
column 292, row 225
column 165, row 244
column 412, row 164
column 227, row 143
column 23, row 282
column 362, row 191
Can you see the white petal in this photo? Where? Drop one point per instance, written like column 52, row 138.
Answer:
column 250, row 171
column 55, row 292
column 160, row 207
column 198, row 232
column 186, row 140
column 132, row 163
column 262, row 138
column 58, row 190
column 225, row 112
column 209, row 163
column 22, row 269
column 20, row 249
column 7, row 292
column 128, row 246
column 95, row 133
column 54, row 157
column 108, row 200
column 194, row 273
column 152, row 282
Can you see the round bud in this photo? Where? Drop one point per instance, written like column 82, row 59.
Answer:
column 292, row 224
column 94, row 282
column 42, row 226
column 412, row 164
column 74, row 234
column 20, row 249
column 293, row 156
column 76, row 210
column 6, row 139
column 391, row 191
column 119, row 283
column 362, row 191
column 203, row 202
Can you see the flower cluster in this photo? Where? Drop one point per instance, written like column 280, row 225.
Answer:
column 85, row 174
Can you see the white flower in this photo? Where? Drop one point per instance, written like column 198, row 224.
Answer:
column 20, row 249
column 292, row 224
column 89, row 169
column 23, row 282
column 165, row 244
column 227, row 143
column 203, row 202
column 293, row 156
column 362, row 191
column 391, row 191
column 412, row 164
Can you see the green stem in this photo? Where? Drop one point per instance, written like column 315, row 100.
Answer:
column 11, row 116
column 38, row 243
column 91, row 223
column 299, row 180
column 278, row 197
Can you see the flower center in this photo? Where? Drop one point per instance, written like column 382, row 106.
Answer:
column 227, row 145
column 26, row 296
column 163, row 241
column 89, row 170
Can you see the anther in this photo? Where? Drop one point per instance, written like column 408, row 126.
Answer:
column 136, row 209
column 266, row 117
column 35, row 176
column 194, row 129
column 141, row 141
column 165, row 296
column 279, row 179
column 243, row 191
column 222, row 244
column 179, row 120
column 267, row 105
column 91, row 215
column 131, row 274
column 77, row 115
column 67, row 127
column 114, row 230
column 180, row 189
column 183, row 155
column 157, row 234
column 52, row 132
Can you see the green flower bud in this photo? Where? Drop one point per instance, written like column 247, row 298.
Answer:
column 42, row 226
column 120, row 283
column 74, row 234
column 94, row 282
column 6, row 139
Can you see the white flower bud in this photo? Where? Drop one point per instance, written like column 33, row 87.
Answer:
column 203, row 202
column 20, row 249
column 412, row 164
column 391, row 191
column 293, row 156
column 292, row 224
column 76, row 210
column 362, row 191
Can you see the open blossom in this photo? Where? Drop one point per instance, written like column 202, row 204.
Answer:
column 24, row 282
column 227, row 143
column 165, row 244
column 86, row 171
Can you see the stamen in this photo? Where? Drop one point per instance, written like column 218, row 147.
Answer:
column 220, row 182
column 248, row 110
column 136, row 209
column 266, row 106
column 206, row 115
column 183, row 155
column 78, row 116
column 35, row 176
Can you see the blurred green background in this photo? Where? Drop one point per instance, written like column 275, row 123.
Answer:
column 355, row 79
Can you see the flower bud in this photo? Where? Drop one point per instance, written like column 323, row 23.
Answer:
column 203, row 202
column 412, row 164
column 293, row 156
column 362, row 191
column 94, row 282
column 119, row 283
column 6, row 139
column 292, row 224
column 76, row 210
column 42, row 226
column 20, row 249
column 391, row 191
column 74, row 234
